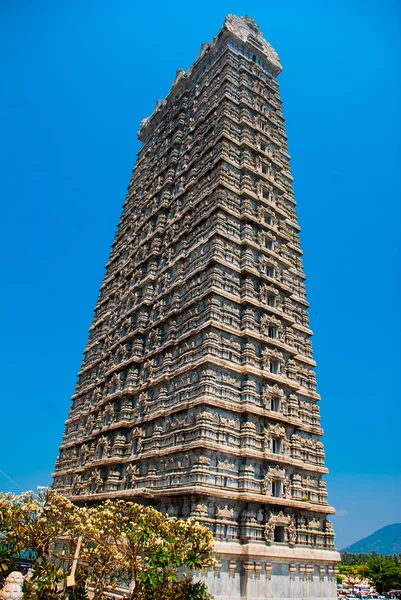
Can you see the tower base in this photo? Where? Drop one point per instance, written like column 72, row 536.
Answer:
column 259, row 572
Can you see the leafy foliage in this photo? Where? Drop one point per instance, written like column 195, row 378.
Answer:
column 353, row 573
column 7, row 560
column 384, row 572
column 349, row 558
column 33, row 522
column 122, row 543
column 43, row 582
column 142, row 549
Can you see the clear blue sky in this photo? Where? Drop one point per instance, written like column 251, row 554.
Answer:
column 77, row 77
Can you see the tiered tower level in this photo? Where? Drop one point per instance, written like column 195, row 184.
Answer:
column 197, row 392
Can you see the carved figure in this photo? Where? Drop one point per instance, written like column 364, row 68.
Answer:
column 201, row 320
column 269, row 532
column 291, row 533
column 12, row 589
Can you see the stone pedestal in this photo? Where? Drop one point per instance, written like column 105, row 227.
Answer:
column 276, row 572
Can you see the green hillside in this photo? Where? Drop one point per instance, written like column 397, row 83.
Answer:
column 386, row 540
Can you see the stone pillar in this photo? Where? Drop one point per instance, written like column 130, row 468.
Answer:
column 257, row 570
column 268, row 570
column 231, row 575
column 249, row 571
column 309, row 580
column 302, row 571
column 322, row 571
column 291, row 572
column 216, row 577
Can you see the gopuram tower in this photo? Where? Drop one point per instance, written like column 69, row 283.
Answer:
column 197, row 393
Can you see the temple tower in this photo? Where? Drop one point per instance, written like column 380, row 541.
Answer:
column 197, row 393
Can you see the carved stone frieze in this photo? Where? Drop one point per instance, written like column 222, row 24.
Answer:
column 196, row 392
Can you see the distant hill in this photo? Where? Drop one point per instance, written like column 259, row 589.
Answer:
column 386, row 540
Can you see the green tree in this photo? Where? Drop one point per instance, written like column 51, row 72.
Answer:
column 136, row 545
column 384, row 573
column 7, row 560
column 353, row 574
column 43, row 583
column 122, row 543
column 36, row 523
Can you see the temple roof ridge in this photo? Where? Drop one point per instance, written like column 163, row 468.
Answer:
column 249, row 31
column 243, row 28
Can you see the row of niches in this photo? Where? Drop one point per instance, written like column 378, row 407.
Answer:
column 161, row 208
column 259, row 239
column 170, row 272
column 125, row 312
column 257, row 185
column 95, row 409
column 256, row 249
column 183, row 152
column 224, row 314
column 194, row 101
column 242, row 181
column 139, row 223
column 173, row 283
column 210, row 344
column 279, row 440
column 274, row 482
column 144, row 197
column 264, row 151
column 124, row 315
column 99, row 451
column 174, row 265
column 176, row 244
column 255, row 523
column 266, row 119
column 262, row 242
column 268, row 317
column 226, row 520
column 261, row 184
column 85, row 423
column 166, row 228
column 148, row 426
column 181, row 160
column 182, row 136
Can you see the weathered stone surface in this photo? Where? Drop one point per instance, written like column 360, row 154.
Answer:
column 197, row 392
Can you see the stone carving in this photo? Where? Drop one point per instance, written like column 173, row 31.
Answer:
column 248, row 28
column 198, row 370
column 97, row 481
column 280, row 519
column 291, row 534
column 269, row 532
column 12, row 589
column 225, row 513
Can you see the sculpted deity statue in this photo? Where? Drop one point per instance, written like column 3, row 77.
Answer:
column 269, row 532
column 84, row 453
column 329, row 527
column 97, row 481
column 267, row 485
column 77, row 484
column 12, row 589
column 291, row 533
column 286, row 488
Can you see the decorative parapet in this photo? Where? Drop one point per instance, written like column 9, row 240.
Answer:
column 244, row 29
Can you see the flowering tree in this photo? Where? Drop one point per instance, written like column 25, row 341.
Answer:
column 122, row 543
column 35, row 523
column 138, row 546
